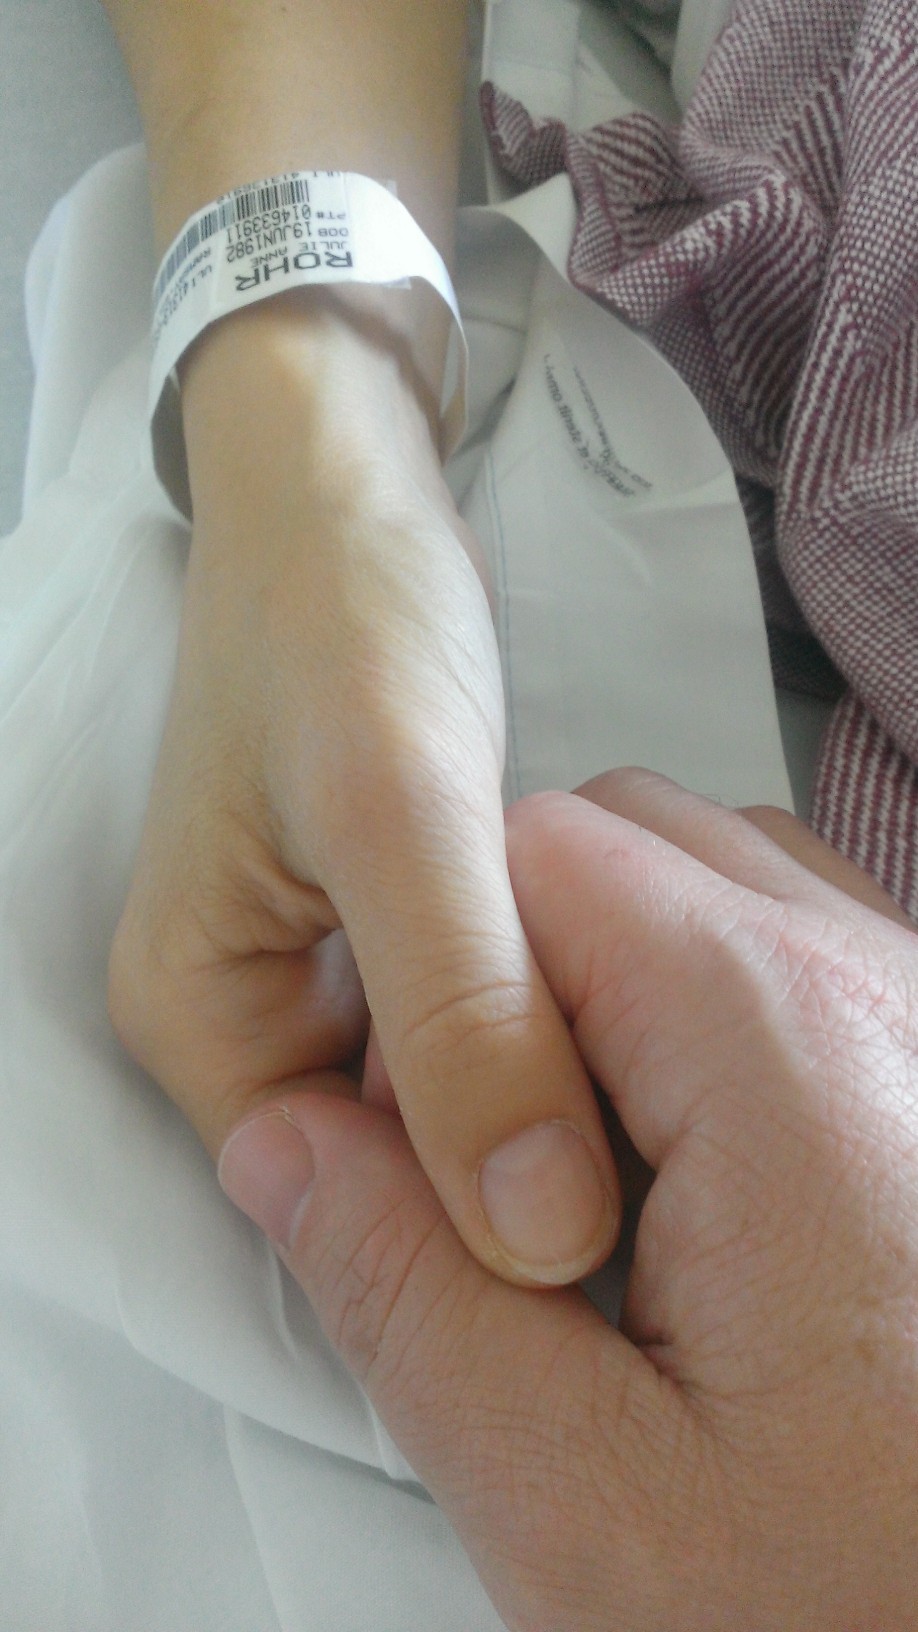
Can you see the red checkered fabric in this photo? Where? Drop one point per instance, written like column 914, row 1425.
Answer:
column 769, row 247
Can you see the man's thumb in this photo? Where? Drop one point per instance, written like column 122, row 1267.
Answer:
column 487, row 1388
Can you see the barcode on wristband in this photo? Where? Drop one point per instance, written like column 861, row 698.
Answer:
column 279, row 193
column 286, row 232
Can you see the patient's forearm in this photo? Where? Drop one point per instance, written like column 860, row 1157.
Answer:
column 233, row 90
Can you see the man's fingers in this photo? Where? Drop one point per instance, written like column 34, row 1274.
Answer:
column 812, row 852
column 633, row 935
column 492, row 1091
column 492, row 1391
column 762, row 847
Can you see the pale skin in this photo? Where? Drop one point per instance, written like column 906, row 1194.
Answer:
column 334, row 750
column 333, row 757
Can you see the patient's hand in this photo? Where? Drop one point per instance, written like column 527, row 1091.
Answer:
column 333, row 756
column 745, row 1454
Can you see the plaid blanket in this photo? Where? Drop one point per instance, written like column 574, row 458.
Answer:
column 769, row 248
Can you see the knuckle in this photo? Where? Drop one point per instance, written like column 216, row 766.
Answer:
column 371, row 1298
column 478, row 1021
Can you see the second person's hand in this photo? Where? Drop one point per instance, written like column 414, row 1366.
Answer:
column 742, row 1455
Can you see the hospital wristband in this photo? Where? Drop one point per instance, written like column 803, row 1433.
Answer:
column 290, row 231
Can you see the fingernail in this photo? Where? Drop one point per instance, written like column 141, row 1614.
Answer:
column 545, row 1202
column 266, row 1168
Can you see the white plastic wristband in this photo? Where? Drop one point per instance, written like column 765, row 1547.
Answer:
column 304, row 227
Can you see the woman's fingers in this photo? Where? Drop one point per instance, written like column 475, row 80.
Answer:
column 221, row 1031
column 489, row 1084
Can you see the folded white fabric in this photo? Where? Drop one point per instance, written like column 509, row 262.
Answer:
column 180, row 1448
column 628, row 615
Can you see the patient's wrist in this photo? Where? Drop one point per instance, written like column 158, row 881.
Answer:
column 311, row 393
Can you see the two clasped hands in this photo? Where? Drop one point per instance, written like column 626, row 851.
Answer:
column 325, row 842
